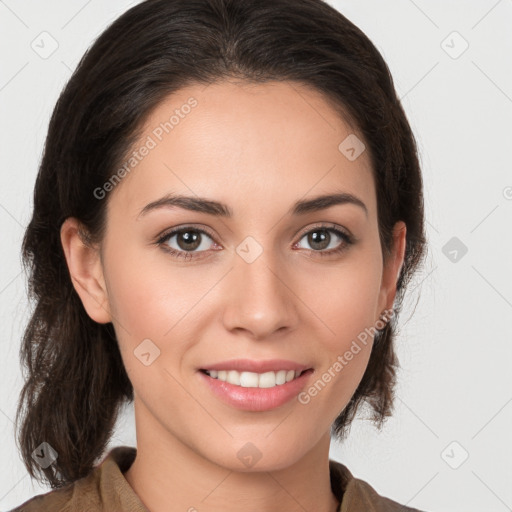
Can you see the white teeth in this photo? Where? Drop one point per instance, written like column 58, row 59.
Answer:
column 268, row 380
column 254, row 380
column 233, row 377
column 281, row 377
column 245, row 379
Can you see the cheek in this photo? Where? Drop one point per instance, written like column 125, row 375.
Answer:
column 135, row 299
column 344, row 297
column 345, row 300
column 146, row 304
column 346, row 311
column 153, row 299
column 143, row 305
column 147, row 295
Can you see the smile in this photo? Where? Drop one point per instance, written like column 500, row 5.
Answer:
column 254, row 380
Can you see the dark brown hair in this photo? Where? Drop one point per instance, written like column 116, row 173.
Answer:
column 75, row 378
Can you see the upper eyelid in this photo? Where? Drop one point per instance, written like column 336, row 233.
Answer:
column 327, row 227
column 174, row 231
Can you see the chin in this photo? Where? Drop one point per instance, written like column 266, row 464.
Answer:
column 248, row 457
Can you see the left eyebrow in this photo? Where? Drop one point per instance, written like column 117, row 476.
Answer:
column 326, row 201
column 218, row 209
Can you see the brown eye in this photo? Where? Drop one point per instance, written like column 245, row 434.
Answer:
column 188, row 240
column 319, row 239
column 326, row 241
column 185, row 242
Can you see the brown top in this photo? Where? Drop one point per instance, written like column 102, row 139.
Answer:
column 106, row 489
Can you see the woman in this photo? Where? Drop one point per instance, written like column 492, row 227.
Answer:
column 226, row 216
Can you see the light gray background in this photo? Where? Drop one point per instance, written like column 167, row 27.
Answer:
column 455, row 350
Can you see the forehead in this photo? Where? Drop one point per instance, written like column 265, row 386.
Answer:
column 274, row 142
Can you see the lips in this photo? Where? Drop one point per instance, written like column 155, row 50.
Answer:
column 255, row 366
column 255, row 399
column 256, row 385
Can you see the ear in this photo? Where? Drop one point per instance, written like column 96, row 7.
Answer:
column 86, row 270
column 392, row 268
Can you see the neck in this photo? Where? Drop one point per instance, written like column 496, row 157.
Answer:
column 169, row 475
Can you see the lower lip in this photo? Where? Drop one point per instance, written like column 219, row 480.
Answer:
column 256, row 399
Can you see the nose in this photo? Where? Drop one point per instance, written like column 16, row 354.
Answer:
column 260, row 297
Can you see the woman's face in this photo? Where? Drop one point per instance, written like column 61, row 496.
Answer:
column 271, row 280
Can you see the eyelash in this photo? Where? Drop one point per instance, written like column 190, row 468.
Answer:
column 347, row 241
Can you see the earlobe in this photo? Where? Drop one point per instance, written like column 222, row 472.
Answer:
column 86, row 271
column 393, row 267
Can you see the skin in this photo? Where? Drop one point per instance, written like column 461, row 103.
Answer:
column 259, row 149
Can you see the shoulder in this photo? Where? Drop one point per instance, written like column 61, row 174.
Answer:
column 82, row 494
column 358, row 495
column 57, row 500
column 104, row 488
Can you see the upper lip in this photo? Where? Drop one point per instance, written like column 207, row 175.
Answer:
column 251, row 365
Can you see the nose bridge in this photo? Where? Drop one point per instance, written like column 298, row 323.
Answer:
column 261, row 302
